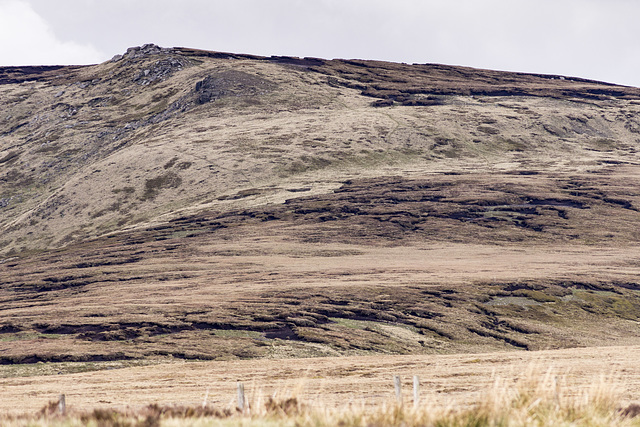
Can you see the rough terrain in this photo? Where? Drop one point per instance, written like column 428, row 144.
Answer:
column 183, row 204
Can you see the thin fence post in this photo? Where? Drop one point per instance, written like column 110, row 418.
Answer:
column 241, row 400
column 398, row 385
column 62, row 405
column 204, row 402
column 416, row 391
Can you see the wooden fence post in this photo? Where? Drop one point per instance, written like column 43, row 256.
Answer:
column 241, row 401
column 398, row 385
column 204, row 402
column 416, row 391
column 62, row 405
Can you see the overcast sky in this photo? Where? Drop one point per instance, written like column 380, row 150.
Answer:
column 596, row 39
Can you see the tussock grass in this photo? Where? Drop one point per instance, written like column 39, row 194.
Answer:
column 536, row 399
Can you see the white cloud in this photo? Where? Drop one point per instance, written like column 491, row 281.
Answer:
column 27, row 39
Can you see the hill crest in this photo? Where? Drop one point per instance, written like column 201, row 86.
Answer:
column 271, row 207
column 63, row 123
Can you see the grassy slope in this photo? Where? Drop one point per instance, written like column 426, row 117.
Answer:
column 288, row 217
column 103, row 148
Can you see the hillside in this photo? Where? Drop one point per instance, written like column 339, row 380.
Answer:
column 177, row 203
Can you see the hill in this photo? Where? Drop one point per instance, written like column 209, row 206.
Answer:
column 177, row 203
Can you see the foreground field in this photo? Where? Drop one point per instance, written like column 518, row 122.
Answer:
column 455, row 381
column 528, row 403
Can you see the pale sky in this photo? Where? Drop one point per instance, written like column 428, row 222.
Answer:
column 595, row 39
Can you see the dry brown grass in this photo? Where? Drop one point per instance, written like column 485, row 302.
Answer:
column 70, row 145
column 569, row 387
column 288, row 217
column 312, row 300
column 458, row 380
column 241, row 287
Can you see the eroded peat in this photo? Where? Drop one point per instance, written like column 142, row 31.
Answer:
column 438, row 264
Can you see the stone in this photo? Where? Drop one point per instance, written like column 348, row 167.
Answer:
column 230, row 83
column 159, row 71
column 146, row 50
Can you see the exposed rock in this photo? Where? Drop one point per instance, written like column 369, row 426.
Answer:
column 4, row 202
column 101, row 101
column 146, row 50
column 159, row 71
column 230, row 83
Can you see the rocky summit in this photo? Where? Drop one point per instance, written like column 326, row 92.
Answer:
column 181, row 203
